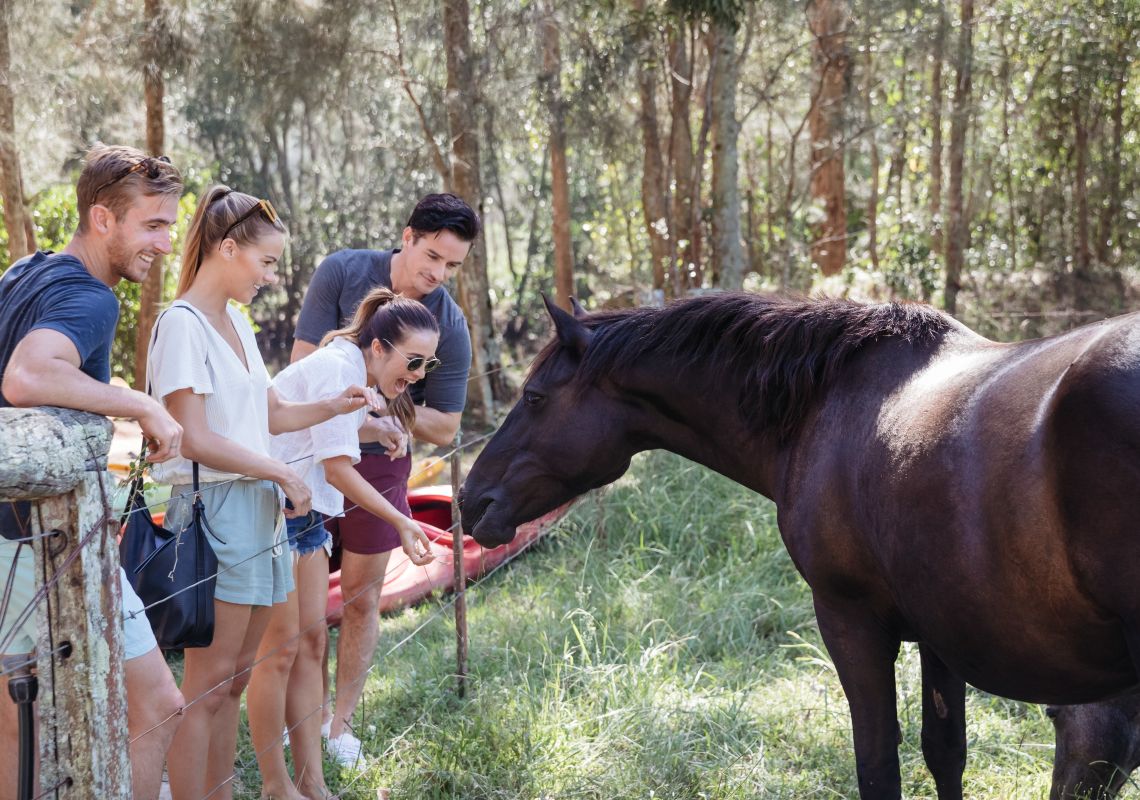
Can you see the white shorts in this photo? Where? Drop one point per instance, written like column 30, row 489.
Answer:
column 138, row 638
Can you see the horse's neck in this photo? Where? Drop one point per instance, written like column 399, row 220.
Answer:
column 684, row 417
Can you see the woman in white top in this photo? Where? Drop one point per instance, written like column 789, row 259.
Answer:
column 205, row 368
column 390, row 344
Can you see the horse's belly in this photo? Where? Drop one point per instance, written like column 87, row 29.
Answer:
column 1071, row 661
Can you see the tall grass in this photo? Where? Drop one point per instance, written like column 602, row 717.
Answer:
column 658, row 644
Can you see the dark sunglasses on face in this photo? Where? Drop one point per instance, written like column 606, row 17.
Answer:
column 151, row 167
column 415, row 362
column 263, row 206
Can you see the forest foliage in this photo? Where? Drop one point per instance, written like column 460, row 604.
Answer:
column 774, row 145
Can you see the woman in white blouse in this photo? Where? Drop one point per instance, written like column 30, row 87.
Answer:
column 204, row 366
column 389, row 344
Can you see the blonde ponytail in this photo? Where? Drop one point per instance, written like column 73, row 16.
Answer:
column 219, row 208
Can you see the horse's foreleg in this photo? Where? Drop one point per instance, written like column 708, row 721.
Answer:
column 943, row 724
column 864, row 654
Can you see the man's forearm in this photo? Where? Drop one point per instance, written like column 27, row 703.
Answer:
column 437, row 427
column 301, row 348
column 55, row 382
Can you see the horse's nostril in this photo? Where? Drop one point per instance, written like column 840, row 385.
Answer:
column 1052, row 711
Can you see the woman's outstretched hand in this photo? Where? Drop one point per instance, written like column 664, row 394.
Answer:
column 415, row 542
column 355, row 398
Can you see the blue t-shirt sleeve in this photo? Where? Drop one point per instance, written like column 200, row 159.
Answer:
column 320, row 313
column 87, row 315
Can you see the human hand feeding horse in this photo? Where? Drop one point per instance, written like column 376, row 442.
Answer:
column 931, row 485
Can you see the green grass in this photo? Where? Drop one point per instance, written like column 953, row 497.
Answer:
column 658, row 644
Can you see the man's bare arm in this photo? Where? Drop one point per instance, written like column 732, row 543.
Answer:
column 44, row 371
column 437, row 427
column 301, row 349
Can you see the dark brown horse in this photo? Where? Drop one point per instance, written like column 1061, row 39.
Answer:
column 982, row 499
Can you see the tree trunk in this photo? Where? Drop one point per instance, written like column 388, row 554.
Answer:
column 828, row 22
column 769, row 190
column 958, row 225
column 727, row 248
column 472, row 290
column 1081, row 198
column 681, row 229
column 496, row 179
column 653, row 197
column 150, row 293
column 1010, row 187
column 872, row 139
column 1113, row 169
column 551, row 82
column 936, row 238
column 11, row 182
column 694, row 275
column 896, row 175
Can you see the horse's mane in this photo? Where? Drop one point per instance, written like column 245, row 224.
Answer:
column 789, row 348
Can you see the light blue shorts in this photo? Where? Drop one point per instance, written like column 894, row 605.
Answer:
column 254, row 565
column 138, row 639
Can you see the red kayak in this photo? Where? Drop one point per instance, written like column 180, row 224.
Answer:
column 405, row 583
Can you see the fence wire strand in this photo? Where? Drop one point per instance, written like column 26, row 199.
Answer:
column 106, row 521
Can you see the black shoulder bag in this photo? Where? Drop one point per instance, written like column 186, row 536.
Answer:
column 173, row 572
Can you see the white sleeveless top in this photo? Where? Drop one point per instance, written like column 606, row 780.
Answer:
column 187, row 353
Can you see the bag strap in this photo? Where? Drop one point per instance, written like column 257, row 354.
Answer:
column 136, row 486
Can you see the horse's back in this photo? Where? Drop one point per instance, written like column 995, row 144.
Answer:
column 992, row 494
column 1094, row 448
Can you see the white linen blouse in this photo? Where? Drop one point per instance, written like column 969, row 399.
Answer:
column 326, row 372
column 187, row 353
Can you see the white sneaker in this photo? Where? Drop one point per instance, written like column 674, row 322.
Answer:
column 326, row 729
column 344, row 749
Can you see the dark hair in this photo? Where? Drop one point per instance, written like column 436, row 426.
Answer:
column 218, row 208
column 109, row 173
column 389, row 317
column 444, row 212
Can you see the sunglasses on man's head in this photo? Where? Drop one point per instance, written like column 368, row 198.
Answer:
column 263, row 206
column 149, row 166
column 415, row 362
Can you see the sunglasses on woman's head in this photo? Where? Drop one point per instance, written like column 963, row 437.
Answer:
column 264, row 206
column 415, row 362
column 149, row 166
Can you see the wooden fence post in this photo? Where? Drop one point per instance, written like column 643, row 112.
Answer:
column 460, row 572
column 57, row 458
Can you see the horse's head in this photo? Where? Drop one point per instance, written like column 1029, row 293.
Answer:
column 1098, row 745
column 565, row 436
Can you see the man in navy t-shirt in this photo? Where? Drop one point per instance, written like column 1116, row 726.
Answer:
column 57, row 321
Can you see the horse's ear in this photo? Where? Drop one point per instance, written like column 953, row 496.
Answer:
column 571, row 332
column 579, row 312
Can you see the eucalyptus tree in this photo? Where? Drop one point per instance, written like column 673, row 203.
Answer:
column 21, row 240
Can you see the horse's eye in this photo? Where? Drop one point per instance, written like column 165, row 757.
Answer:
column 532, row 399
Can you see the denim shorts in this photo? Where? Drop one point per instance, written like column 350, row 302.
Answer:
column 308, row 534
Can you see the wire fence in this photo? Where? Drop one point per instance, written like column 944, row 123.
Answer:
column 27, row 538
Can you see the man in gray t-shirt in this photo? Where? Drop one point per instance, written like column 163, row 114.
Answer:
column 435, row 242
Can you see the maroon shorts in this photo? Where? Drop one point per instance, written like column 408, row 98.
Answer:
column 359, row 531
